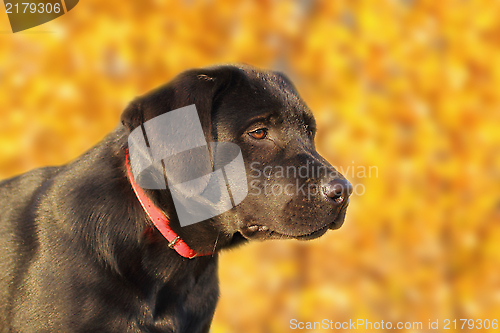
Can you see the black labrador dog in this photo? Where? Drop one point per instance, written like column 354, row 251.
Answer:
column 78, row 249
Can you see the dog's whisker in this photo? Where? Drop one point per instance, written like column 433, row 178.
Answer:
column 215, row 245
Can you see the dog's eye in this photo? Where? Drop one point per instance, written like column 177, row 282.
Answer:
column 258, row 134
column 310, row 131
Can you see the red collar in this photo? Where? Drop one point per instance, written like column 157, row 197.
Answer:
column 160, row 221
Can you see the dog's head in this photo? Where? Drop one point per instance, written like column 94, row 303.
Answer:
column 292, row 191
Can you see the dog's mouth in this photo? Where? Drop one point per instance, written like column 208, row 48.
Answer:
column 262, row 232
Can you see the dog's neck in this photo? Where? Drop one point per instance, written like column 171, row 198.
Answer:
column 160, row 221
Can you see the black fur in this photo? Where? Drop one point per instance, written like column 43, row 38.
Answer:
column 79, row 254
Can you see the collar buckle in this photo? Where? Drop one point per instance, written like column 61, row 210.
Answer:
column 174, row 242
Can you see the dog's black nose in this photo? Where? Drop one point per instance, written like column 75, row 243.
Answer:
column 337, row 190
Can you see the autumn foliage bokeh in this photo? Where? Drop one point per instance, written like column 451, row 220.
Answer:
column 411, row 88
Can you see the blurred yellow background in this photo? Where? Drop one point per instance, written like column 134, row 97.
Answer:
column 408, row 87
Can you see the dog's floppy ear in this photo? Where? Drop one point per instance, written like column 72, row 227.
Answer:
column 176, row 145
column 201, row 87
